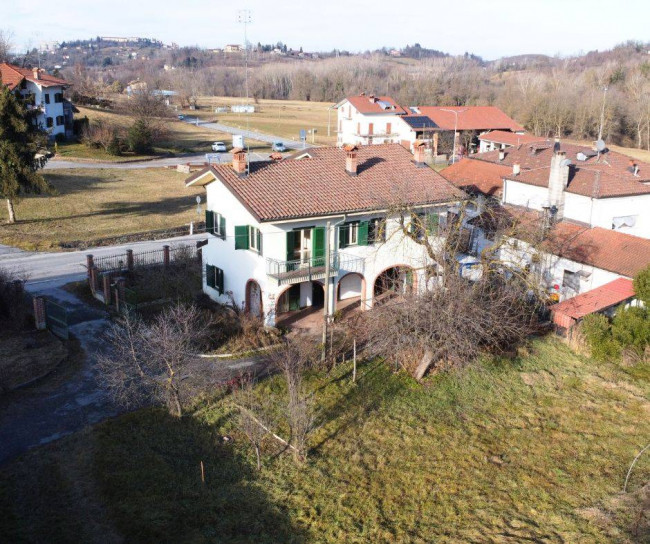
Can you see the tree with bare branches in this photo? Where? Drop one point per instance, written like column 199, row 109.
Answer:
column 251, row 415
column 150, row 362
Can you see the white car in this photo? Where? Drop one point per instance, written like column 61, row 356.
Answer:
column 219, row 147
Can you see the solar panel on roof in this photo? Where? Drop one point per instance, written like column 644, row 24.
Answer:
column 419, row 121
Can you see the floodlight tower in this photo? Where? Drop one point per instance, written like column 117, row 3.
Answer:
column 244, row 17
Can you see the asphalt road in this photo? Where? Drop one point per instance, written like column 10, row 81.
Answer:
column 62, row 267
column 252, row 134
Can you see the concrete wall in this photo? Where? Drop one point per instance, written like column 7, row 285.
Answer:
column 523, row 194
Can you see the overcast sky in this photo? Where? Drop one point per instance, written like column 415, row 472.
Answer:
column 489, row 29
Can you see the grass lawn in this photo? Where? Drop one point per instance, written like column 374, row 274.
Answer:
column 90, row 204
column 283, row 118
column 182, row 138
column 531, row 450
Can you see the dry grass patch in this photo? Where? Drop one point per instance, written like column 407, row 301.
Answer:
column 282, row 118
column 91, row 204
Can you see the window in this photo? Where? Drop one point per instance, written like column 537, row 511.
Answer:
column 353, row 234
column 376, row 230
column 571, row 280
column 215, row 224
column 214, row 278
column 47, row 98
column 49, row 122
column 59, row 120
column 247, row 237
column 254, row 238
column 58, row 97
column 418, row 225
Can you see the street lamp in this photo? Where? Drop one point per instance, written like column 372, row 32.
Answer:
column 455, row 112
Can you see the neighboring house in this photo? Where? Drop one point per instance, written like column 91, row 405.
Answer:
column 269, row 219
column 364, row 120
column 605, row 299
column 501, row 139
column 369, row 119
column 233, row 48
column 43, row 93
column 572, row 182
column 136, row 86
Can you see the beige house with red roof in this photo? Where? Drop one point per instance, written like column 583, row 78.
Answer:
column 501, row 139
column 44, row 94
column 268, row 224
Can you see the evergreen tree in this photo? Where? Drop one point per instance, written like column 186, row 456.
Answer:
column 20, row 141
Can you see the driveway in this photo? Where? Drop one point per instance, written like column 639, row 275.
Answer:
column 252, row 134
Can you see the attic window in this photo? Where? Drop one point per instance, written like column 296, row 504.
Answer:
column 385, row 105
column 623, row 221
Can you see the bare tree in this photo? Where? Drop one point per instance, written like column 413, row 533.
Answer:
column 150, row 362
column 251, row 417
column 296, row 356
column 5, row 45
column 150, row 111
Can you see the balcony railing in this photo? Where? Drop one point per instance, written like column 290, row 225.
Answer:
column 297, row 271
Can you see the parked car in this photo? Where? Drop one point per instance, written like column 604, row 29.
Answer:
column 181, row 117
column 219, row 147
column 279, row 146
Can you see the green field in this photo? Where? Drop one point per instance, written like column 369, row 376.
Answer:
column 97, row 203
column 528, row 450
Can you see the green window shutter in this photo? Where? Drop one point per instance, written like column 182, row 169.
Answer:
column 210, row 275
column 259, row 241
column 362, row 233
column 219, row 280
column 209, row 221
column 344, row 235
column 222, row 227
column 291, row 237
column 318, row 246
column 433, row 221
column 241, row 237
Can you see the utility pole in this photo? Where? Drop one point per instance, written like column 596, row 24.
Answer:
column 326, row 306
column 455, row 112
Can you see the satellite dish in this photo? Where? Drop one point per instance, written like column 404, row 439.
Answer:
column 198, row 199
column 600, row 145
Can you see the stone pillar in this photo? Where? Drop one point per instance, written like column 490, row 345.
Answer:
column 90, row 264
column 39, row 313
column 129, row 260
column 106, row 285
column 93, row 279
column 166, row 256
column 435, row 144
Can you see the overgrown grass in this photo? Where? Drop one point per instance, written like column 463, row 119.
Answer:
column 534, row 449
column 90, row 204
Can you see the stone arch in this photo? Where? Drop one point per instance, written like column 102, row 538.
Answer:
column 396, row 278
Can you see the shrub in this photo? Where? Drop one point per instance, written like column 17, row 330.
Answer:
column 114, row 147
column 140, row 138
column 631, row 329
column 598, row 333
column 642, row 285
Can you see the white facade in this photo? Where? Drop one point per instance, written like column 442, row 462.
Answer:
column 49, row 102
column 247, row 272
column 627, row 214
column 354, row 127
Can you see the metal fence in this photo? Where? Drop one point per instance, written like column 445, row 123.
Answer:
column 125, row 261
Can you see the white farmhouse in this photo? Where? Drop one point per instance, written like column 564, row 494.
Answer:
column 371, row 119
column 43, row 93
column 268, row 223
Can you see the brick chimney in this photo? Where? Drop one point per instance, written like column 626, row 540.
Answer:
column 239, row 161
column 351, row 159
column 419, row 153
column 558, row 180
column 36, row 73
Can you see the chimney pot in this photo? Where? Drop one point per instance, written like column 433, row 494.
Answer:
column 419, row 152
column 36, row 73
column 516, row 169
column 502, row 155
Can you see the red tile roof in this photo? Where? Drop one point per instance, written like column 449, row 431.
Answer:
column 470, row 118
column 366, row 104
column 318, row 183
column 477, row 176
column 599, row 299
column 610, row 250
column 12, row 76
column 509, row 138
column 595, row 183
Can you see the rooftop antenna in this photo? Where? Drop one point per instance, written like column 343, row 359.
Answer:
column 244, row 17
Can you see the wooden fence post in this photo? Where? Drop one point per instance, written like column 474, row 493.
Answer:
column 106, row 285
column 129, row 260
column 166, row 256
column 93, row 279
column 90, row 264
